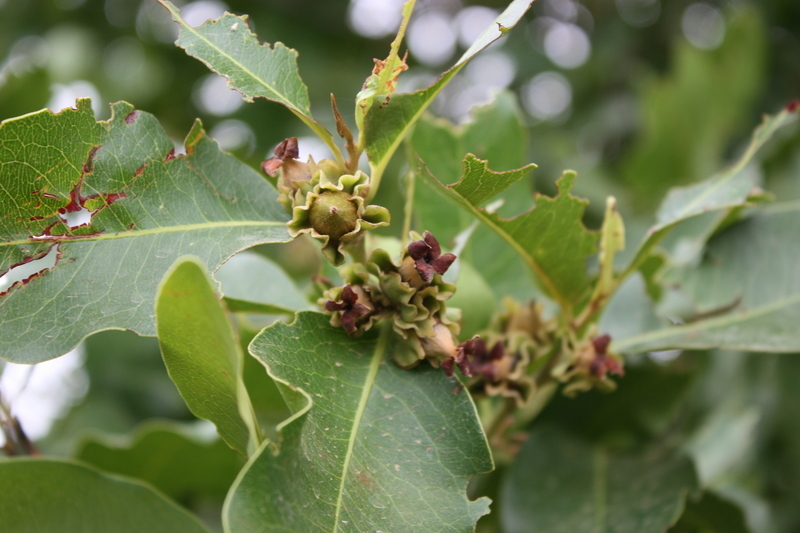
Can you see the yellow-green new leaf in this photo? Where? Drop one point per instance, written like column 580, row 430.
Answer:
column 550, row 238
column 612, row 240
column 390, row 117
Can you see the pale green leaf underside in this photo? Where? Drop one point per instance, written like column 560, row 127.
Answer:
column 203, row 356
column 754, row 262
column 559, row 484
column 550, row 238
column 371, row 447
column 391, row 117
column 728, row 190
column 205, row 203
column 251, row 282
column 46, row 495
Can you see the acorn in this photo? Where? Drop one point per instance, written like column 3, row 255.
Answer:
column 333, row 213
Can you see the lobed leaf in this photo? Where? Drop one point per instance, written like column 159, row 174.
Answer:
column 371, row 447
column 495, row 132
column 562, row 484
column 144, row 208
column 43, row 495
column 751, row 265
column 202, row 354
column 550, row 237
column 390, row 117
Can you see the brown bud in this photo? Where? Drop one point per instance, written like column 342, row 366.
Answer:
column 354, row 303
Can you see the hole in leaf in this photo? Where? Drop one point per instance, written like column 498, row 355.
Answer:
column 77, row 218
column 22, row 273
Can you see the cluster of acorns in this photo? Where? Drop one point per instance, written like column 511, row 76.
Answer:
column 411, row 294
column 330, row 205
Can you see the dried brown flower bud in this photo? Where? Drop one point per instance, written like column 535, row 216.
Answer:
column 428, row 258
column 287, row 149
column 354, row 304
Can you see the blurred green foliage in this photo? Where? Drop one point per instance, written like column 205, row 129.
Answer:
column 649, row 110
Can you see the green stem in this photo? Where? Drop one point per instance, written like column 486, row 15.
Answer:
column 323, row 134
column 408, row 209
column 495, row 425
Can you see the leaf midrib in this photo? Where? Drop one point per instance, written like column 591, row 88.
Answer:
column 146, row 232
column 726, row 320
column 369, row 382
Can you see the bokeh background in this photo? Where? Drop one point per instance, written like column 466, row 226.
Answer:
column 636, row 95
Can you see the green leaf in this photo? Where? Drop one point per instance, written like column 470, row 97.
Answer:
column 183, row 462
column 45, row 495
column 203, row 356
column 711, row 513
column 370, row 446
column 550, row 237
column 253, row 283
column 390, row 117
column 148, row 208
column 750, row 263
column 561, row 484
column 729, row 190
column 688, row 116
column 229, row 48
column 494, row 132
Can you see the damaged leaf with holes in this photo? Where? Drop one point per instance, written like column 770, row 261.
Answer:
column 98, row 211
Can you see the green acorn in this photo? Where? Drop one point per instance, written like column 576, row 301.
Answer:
column 334, row 211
